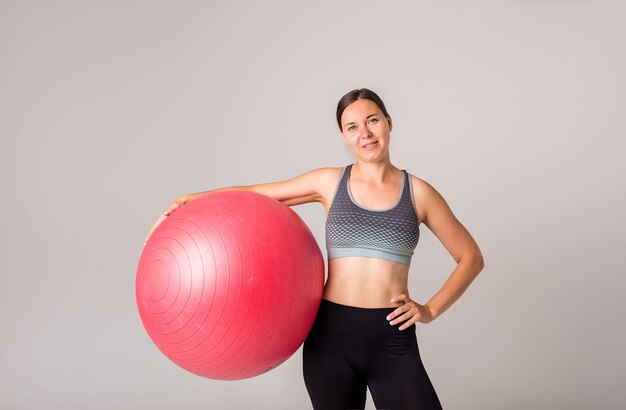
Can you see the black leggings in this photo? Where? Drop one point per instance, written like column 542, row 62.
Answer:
column 351, row 348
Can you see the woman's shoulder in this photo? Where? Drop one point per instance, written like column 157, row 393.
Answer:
column 417, row 182
column 426, row 197
column 319, row 177
column 327, row 173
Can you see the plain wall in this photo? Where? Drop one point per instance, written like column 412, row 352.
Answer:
column 513, row 110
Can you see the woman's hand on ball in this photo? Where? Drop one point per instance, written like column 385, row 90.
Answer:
column 174, row 206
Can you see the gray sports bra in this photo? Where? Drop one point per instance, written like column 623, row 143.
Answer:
column 353, row 230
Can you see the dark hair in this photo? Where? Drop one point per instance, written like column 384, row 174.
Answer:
column 359, row 94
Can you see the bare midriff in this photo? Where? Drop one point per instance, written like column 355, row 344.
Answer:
column 365, row 282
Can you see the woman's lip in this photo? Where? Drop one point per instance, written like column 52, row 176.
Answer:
column 370, row 145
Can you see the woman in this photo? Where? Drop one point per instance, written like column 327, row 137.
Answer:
column 364, row 333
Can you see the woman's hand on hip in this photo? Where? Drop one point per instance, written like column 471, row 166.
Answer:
column 409, row 313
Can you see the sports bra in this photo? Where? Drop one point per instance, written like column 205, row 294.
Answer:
column 354, row 230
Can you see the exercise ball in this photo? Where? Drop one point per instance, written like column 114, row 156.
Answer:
column 229, row 284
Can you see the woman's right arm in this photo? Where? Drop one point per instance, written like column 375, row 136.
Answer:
column 312, row 186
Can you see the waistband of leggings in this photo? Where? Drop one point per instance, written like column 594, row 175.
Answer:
column 354, row 319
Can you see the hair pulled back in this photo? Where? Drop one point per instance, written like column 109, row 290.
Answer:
column 359, row 94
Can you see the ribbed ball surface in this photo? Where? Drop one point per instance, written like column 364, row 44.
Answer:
column 229, row 284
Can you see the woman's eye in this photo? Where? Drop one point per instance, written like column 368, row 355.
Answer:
column 374, row 120
column 352, row 128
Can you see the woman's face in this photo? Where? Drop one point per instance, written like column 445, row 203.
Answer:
column 366, row 130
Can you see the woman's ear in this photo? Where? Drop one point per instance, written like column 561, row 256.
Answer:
column 390, row 122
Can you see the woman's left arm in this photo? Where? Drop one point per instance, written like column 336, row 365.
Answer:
column 438, row 217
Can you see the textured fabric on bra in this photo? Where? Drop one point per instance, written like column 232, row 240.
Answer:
column 354, row 230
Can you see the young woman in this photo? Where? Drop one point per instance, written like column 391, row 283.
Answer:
column 364, row 332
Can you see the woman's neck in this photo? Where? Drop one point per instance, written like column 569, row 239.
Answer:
column 376, row 172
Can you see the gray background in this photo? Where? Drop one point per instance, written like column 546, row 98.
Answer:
column 513, row 110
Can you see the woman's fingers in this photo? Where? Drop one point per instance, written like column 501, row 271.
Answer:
column 409, row 313
column 174, row 206
column 403, row 312
column 161, row 218
column 400, row 299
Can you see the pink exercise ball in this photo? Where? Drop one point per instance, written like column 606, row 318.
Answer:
column 229, row 284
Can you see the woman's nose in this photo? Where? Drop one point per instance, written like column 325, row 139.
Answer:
column 366, row 132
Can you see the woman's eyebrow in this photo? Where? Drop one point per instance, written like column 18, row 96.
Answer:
column 349, row 123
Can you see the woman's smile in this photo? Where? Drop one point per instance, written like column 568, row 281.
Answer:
column 370, row 146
